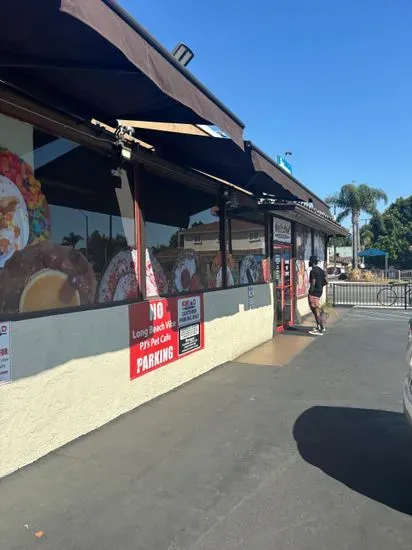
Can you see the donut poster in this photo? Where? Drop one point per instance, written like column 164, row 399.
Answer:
column 35, row 274
column 303, row 253
column 163, row 331
column 38, row 274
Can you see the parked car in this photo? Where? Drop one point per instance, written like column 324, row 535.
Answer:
column 407, row 385
column 336, row 273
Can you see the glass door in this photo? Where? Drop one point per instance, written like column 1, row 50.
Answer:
column 283, row 279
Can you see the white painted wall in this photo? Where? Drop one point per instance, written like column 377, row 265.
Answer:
column 71, row 371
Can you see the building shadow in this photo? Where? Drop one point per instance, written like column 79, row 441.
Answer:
column 370, row 451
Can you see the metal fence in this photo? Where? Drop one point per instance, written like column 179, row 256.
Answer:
column 404, row 275
column 397, row 295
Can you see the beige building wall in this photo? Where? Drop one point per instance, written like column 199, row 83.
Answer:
column 209, row 242
column 71, row 371
column 241, row 241
column 303, row 306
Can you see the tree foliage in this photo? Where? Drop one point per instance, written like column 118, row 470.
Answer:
column 392, row 232
column 72, row 239
column 352, row 199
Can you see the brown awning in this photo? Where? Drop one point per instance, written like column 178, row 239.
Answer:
column 251, row 169
column 217, row 157
column 263, row 163
column 90, row 59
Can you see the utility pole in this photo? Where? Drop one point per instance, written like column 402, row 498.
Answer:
column 334, row 238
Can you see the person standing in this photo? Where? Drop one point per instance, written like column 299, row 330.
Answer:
column 317, row 282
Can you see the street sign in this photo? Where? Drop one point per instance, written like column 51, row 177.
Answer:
column 284, row 164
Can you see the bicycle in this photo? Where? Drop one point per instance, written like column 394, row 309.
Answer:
column 388, row 296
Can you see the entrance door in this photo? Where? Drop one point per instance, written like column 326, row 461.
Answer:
column 283, row 276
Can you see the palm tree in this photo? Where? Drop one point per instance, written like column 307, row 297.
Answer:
column 366, row 236
column 71, row 239
column 353, row 199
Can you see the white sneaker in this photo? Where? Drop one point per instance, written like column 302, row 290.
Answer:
column 315, row 332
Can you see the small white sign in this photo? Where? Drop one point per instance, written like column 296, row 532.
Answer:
column 251, row 297
column 282, row 231
column 188, row 311
column 5, row 353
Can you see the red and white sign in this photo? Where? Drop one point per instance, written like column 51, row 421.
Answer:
column 162, row 331
column 5, row 353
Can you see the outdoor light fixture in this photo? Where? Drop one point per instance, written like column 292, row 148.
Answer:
column 183, row 54
column 125, row 153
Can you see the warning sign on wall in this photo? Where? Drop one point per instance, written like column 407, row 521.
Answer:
column 162, row 331
column 5, row 353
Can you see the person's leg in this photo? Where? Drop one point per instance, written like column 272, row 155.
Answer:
column 318, row 317
column 314, row 304
column 312, row 309
column 323, row 316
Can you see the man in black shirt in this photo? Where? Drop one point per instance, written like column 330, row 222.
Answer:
column 317, row 280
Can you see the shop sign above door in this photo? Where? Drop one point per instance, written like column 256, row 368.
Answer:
column 282, row 231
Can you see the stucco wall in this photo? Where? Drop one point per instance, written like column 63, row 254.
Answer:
column 71, row 371
column 303, row 306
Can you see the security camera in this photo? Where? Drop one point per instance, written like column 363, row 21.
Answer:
column 129, row 130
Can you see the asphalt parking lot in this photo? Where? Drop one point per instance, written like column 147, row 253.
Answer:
column 314, row 455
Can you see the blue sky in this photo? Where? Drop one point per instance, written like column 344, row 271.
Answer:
column 330, row 81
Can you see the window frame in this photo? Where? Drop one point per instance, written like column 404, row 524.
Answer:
column 254, row 237
column 264, row 228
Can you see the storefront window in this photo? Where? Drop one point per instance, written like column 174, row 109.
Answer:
column 246, row 252
column 319, row 247
column 67, row 232
column 303, row 254
column 180, row 258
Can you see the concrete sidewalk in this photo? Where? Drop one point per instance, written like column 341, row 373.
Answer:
column 215, row 465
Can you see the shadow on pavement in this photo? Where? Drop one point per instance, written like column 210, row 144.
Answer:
column 299, row 330
column 370, row 451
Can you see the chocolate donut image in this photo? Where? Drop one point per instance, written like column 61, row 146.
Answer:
column 46, row 276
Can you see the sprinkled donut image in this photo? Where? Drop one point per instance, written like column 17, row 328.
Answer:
column 119, row 280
